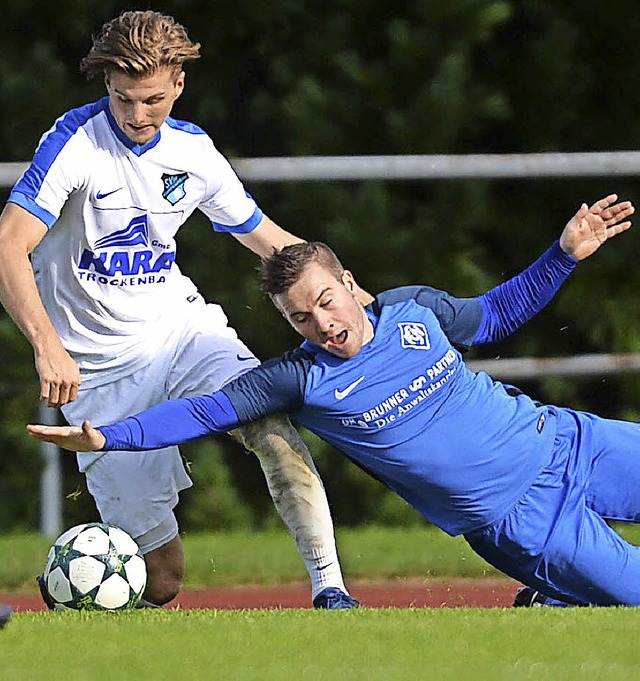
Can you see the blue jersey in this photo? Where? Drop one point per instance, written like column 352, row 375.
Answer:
column 456, row 445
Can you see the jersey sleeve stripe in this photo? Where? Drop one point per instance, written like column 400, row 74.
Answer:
column 244, row 227
column 54, row 141
column 32, row 207
column 51, row 144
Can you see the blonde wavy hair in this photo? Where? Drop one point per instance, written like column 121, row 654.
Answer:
column 140, row 43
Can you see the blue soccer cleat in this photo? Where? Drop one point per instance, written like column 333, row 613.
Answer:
column 526, row 597
column 5, row 615
column 333, row 598
column 144, row 604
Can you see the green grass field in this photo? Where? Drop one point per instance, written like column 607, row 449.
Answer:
column 438, row 644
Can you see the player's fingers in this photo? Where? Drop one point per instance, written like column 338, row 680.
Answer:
column 64, row 394
column 59, row 392
column 617, row 213
column 37, row 433
column 39, row 429
column 603, row 203
column 618, row 228
column 610, row 218
column 62, row 436
column 626, row 209
column 73, row 393
column 45, row 389
column 54, row 395
column 621, row 207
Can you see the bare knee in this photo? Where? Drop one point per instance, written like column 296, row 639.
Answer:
column 165, row 572
column 262, row 436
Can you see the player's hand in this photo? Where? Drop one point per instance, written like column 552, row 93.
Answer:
column 84, row 438
column 59, row 376
column 591, row 226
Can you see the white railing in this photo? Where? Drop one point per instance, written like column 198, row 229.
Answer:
column 438, row 167
column 416, row 167
column 529, row 368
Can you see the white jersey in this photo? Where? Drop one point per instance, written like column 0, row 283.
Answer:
column 106, row 269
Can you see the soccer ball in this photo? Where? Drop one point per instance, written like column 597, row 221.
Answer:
column 94, row 566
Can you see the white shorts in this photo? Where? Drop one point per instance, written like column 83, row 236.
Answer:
column 138, row 491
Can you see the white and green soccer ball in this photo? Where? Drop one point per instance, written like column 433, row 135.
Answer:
column 95, row 566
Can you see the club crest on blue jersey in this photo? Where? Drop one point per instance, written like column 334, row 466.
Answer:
column 414, row 335
column 174, row 187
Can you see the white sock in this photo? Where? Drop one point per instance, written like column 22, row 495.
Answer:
column 299, row 496
column 324, row 571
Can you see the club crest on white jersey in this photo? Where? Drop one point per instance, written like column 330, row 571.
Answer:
column 414, row 335
column 174, row 189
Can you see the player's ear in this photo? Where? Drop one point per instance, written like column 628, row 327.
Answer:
column 179, row 84
column 349, row 281
column 275, row 299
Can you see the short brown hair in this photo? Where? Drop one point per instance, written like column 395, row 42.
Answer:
column 281, row 270
column 140, row 43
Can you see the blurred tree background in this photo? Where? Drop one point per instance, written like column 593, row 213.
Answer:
column 340, row 77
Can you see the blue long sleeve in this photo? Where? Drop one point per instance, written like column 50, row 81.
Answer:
column 275, row 386
column 509, row 305
column 172, row 423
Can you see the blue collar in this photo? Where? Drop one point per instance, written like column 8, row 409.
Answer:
column 137, row 149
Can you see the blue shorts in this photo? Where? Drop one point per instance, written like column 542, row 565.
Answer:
column 556, row 538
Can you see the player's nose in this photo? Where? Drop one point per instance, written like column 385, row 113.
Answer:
column 137, row 112
column 324, row 321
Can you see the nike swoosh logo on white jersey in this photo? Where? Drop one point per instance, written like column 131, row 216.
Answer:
column 341, row 394
column 100, row 195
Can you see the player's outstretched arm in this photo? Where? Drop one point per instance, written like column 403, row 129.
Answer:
column 592, row 225
column 168, row 423
column 268, row 236
column 84, row 438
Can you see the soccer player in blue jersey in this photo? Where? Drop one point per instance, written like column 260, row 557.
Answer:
column 88, row 273
column 530, row 486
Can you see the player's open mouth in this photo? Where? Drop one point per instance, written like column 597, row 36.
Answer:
column 340, row 339
column 137, row 129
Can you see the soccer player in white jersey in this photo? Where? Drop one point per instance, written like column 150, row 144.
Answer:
column 88, row 273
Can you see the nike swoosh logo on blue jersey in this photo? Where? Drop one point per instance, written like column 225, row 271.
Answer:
column 341, row 394
column 100, row 195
